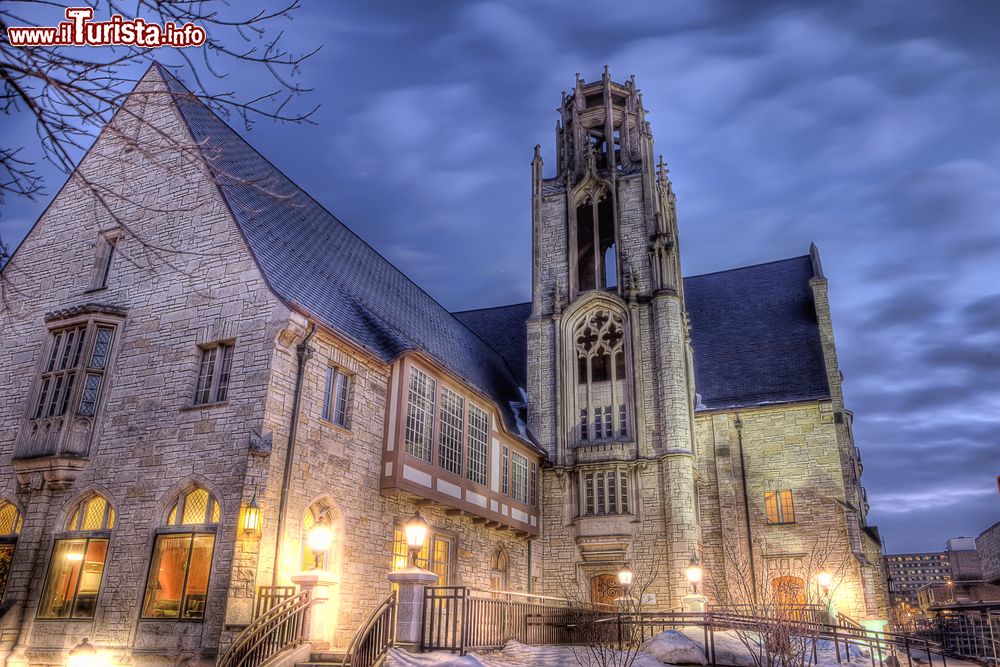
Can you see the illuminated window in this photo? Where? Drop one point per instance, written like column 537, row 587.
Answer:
column 420, row 415
column 778, row 506
column 77, row 565
column 336, row 396
column 10, row 528
column 436, row 554
column 214, row 370
column 478, row 444
column 177, row 584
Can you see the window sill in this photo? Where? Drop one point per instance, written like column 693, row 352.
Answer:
column 92, row 290
column 336, row 426
column 203, row 406
column 171, row 620
column 780, row 523
column 64, row 620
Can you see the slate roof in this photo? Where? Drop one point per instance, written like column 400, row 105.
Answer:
column 311, row 259
column 753, row 330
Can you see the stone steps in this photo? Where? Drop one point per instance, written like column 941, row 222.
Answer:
column 334, row 658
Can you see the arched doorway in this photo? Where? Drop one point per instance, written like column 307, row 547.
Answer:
column 499, row 569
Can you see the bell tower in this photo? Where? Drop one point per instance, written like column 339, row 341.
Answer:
column 610, row 381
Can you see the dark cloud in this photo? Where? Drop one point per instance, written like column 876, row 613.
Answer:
column 869, row 128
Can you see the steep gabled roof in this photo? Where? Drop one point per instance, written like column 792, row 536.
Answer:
column 753, row 330
column 311, row 259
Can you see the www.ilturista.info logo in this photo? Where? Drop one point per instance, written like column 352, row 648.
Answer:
column 80, row 30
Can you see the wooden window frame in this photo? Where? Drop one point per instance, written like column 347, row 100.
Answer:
column 784, row 507
column 333, row 411
column 216, row 390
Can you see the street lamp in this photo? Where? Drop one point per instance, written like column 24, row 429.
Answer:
column 320, row 538
column 694, row 572
column 416, row 533
column 83, row 655
column 625, row 577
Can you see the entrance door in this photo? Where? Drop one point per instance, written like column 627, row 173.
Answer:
column 789, row 591
column 605, row 589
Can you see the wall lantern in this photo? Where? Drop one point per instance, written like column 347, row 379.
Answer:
column 84, row 655
column 416, row 532
column 320, row 538
column 251, row 517
column 693, row 572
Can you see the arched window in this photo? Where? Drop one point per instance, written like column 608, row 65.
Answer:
column 177, row 585
column 10, row 528
column 77, row 565
column 499, row 570
column 601, row 392
column 596, row 250
column 322, row 510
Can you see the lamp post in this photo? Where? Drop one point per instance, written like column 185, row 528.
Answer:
column 825, row 580
column 320, row 537
column 693, row 572
column 410, row 583
column 694, row 601
column 625, row 578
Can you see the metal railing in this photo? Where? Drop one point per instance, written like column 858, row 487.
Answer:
column 457, row 619
column 968, row 633
column 376, row 636
column 269, row 597
column 279, row 628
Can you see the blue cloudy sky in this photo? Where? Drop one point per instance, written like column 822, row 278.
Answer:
column 871, row 128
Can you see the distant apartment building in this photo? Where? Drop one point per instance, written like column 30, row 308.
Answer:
column 908, row 573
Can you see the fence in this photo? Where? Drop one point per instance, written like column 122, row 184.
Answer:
column 968, row 633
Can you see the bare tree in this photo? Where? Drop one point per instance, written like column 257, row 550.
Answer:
column 609, row 635
column 72, row 93
column 780, row 619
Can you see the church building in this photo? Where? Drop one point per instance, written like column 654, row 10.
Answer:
column 201, row 364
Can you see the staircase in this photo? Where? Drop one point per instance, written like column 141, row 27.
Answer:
column 332, row 658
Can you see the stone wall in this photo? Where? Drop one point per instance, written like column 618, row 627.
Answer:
column 988, row 546
column 184, row 276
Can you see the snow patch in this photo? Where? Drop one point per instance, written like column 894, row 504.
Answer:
column 676, row 648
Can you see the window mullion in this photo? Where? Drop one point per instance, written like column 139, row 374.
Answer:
column 79, row 578
column 213, row 386
column 595, row 224
column 187, row 572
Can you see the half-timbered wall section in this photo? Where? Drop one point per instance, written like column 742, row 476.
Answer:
column 445, row 444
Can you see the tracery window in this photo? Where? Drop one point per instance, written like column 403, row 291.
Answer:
column 77, row 565
column 177, row 584
column 78, row 350
column 601, row 390
column 605, row 492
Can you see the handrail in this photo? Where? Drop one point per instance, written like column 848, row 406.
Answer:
column 376, row 636
column 279, row 628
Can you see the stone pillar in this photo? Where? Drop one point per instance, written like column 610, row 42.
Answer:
column 695, row 603
column 321, row 617
column 410, row 603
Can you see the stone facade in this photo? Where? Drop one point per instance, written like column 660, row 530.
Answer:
column 182, row 276
column 988, row 546
column 662, row 484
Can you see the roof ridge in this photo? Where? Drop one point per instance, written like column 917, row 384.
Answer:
column 473, row 310
column 748, row 266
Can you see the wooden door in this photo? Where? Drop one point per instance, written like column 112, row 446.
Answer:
column 605, row 589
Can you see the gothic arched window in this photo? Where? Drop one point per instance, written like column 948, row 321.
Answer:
column 10, row 528
column 600, row 370
column 596, row 254
column 323, row 510
column 177, row 585
column 77, row 566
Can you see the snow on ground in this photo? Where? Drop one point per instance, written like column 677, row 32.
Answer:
column 672, row 647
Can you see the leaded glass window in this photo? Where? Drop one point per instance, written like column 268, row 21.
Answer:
column 478, row 437
column 601, row 390
column 420, row 415
column 450, row 431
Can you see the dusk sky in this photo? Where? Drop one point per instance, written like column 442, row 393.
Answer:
column 869, row 128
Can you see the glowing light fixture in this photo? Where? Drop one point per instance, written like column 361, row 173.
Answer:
column 320, row 537
column 84, row 655
column 625, row 577
column 416, row 532
column 693, row 572
column 824, row 579
column 251, row 517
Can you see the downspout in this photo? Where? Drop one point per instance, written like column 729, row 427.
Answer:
column 746, row 508
column 302, row 353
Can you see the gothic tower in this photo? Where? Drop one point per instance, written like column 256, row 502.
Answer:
column 610, row 381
